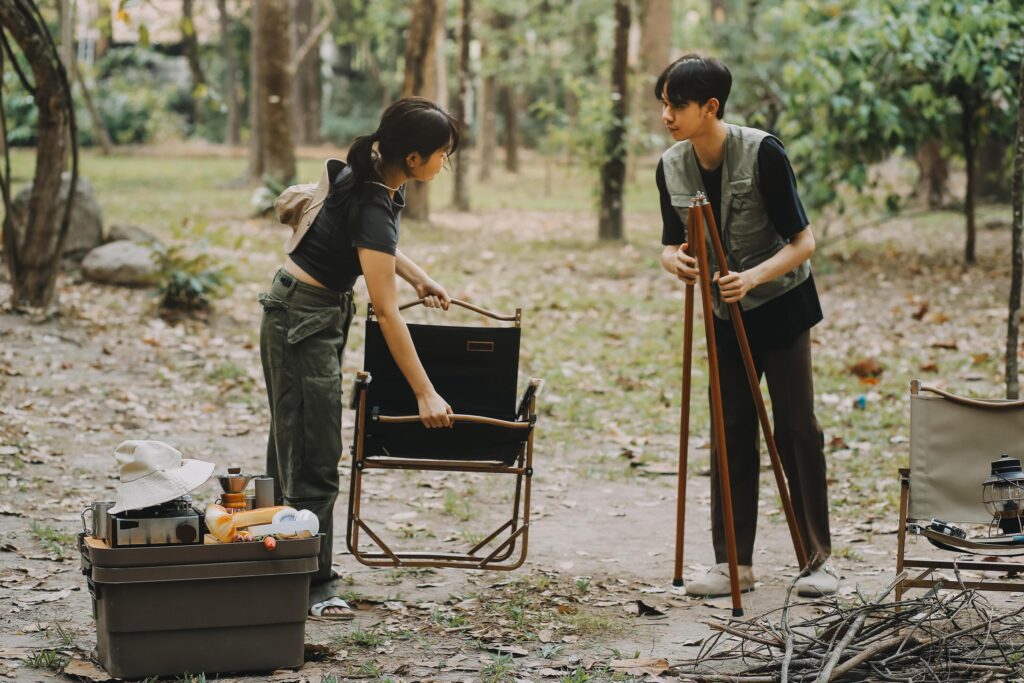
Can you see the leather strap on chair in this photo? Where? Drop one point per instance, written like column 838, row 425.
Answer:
column 986, row 404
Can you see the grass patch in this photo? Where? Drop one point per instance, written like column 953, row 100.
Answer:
column 501, row 669
column 448, row 619
column 457, row 505
column 358, row 637
column 51, row 660
column 56, row 541
column 589, row 624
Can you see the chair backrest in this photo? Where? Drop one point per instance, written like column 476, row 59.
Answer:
column 475, row 369
column 952, row 446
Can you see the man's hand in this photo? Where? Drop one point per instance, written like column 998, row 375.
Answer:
column 434, row 295
column 685, row 265
column 735, row 285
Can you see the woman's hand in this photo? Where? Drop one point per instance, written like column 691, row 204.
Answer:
column 433, row 294
column 434, row 410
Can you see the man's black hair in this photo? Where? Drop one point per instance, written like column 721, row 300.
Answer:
column 695, row 78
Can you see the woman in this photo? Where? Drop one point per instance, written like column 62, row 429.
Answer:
column 306, row 314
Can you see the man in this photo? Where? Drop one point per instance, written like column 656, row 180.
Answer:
column 768, row 242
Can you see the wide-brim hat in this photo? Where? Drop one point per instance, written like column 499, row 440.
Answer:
column 153, row 472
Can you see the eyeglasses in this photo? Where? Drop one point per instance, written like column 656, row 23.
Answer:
column 447, row 161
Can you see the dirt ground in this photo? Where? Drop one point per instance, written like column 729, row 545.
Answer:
column 105, row 369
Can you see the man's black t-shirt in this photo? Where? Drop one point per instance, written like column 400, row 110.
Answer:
column 352, row 216
column 777, row 322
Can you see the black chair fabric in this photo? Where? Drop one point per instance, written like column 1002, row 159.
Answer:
column 475, row 369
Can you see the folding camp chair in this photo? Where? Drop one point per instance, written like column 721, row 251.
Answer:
column 953, row 441
column 476, row 370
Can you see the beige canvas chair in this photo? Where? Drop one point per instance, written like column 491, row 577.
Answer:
column 953, row 441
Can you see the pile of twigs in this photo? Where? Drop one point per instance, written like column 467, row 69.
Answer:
column 940, row 636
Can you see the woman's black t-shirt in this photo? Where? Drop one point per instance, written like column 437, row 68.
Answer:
column 353, row 215
column 777, row 322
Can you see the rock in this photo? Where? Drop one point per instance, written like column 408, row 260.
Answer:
column 120, row 231
column 85, row 229
column 124, row 262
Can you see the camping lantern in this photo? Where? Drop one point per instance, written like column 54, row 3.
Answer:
column 1003, row 495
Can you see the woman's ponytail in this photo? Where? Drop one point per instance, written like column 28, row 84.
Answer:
column 412, row 124
column 360, row 158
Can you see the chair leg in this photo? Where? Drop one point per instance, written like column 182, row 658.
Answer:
column 901, row 530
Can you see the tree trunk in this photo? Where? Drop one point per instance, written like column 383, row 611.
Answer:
column 233, row 133
column 487, row 114
column 967, row 135
column 461, row 188
column 488, row 117
column 256, row 161
column 655, row 54
column 98, row 124
column 933, row 174
column 190, row 47
column 105, row 26
column 993, row 180
column 1017, row 199
column 34, row 263
column 613, row 171
column 306, row 88
column 419, row 56
column 66, row 23
column 507, row 103
column 272, row 51
column 753, row 7
column 437, row 74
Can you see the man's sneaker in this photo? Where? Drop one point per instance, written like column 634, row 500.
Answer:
column 716, row 582
column 821, row 581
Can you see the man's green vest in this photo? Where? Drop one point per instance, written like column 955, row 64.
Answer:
column 747, row 233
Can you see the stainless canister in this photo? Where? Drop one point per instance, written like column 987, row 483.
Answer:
column 264, row 492
column 101, row 519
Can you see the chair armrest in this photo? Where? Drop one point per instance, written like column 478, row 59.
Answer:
column 478, row 419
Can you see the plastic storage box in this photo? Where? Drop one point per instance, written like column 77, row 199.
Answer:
column 215, row 608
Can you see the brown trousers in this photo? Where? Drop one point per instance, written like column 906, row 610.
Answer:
column 797, row 434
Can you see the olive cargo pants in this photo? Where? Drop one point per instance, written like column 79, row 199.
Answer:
column 302, row 339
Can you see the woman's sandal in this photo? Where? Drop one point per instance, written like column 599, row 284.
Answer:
column 341, row 610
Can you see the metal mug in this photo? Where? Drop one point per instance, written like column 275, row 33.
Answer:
column 100, row 519
column 264, row 492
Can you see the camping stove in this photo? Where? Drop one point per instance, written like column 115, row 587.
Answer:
column 171, row 523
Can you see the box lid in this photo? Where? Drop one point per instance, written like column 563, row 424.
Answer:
column 99, row 554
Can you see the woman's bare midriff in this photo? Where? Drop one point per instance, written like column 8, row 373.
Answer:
column 299, row 274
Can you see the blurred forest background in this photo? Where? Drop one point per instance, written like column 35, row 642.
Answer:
column 845, row 83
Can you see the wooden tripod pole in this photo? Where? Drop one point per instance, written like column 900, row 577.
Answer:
column 684, row 426
column 695, row 220
column 755, row 390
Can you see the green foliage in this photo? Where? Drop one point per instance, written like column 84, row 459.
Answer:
column 20, row 110
column 848, row 82
column 265, row 195
column 131, row 99
column 500, row 669
column 189, row 276
column 47, row 659
column 352, row 108
column 57, row 541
